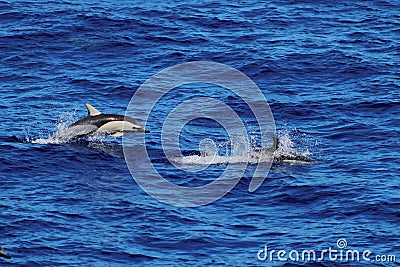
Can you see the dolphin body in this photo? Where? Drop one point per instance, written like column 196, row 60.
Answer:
column 3, row 254
column 110, row 124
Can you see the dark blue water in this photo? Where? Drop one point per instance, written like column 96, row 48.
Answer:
column 329, row 70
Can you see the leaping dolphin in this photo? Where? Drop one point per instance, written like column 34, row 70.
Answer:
column 3, row 254
column 110, row 124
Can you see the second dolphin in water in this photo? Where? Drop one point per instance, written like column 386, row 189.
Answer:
column 282, row 157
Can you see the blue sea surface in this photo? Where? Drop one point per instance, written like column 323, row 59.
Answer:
column 330, row 72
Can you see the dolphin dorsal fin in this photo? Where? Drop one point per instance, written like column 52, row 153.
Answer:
column 91, row 110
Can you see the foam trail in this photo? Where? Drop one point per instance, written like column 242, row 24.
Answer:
column 237, row 150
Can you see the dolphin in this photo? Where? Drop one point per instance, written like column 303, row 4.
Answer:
column 3, row 254
column 284, row 157
column 110, row 124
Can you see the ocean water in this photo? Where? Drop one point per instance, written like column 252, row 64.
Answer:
column 330, row 74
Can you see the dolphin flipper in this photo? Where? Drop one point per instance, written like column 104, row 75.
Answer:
column 117, row 134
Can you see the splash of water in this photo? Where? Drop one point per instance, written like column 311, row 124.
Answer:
column 60, row 133
column 293, row 147
column 54, row 133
